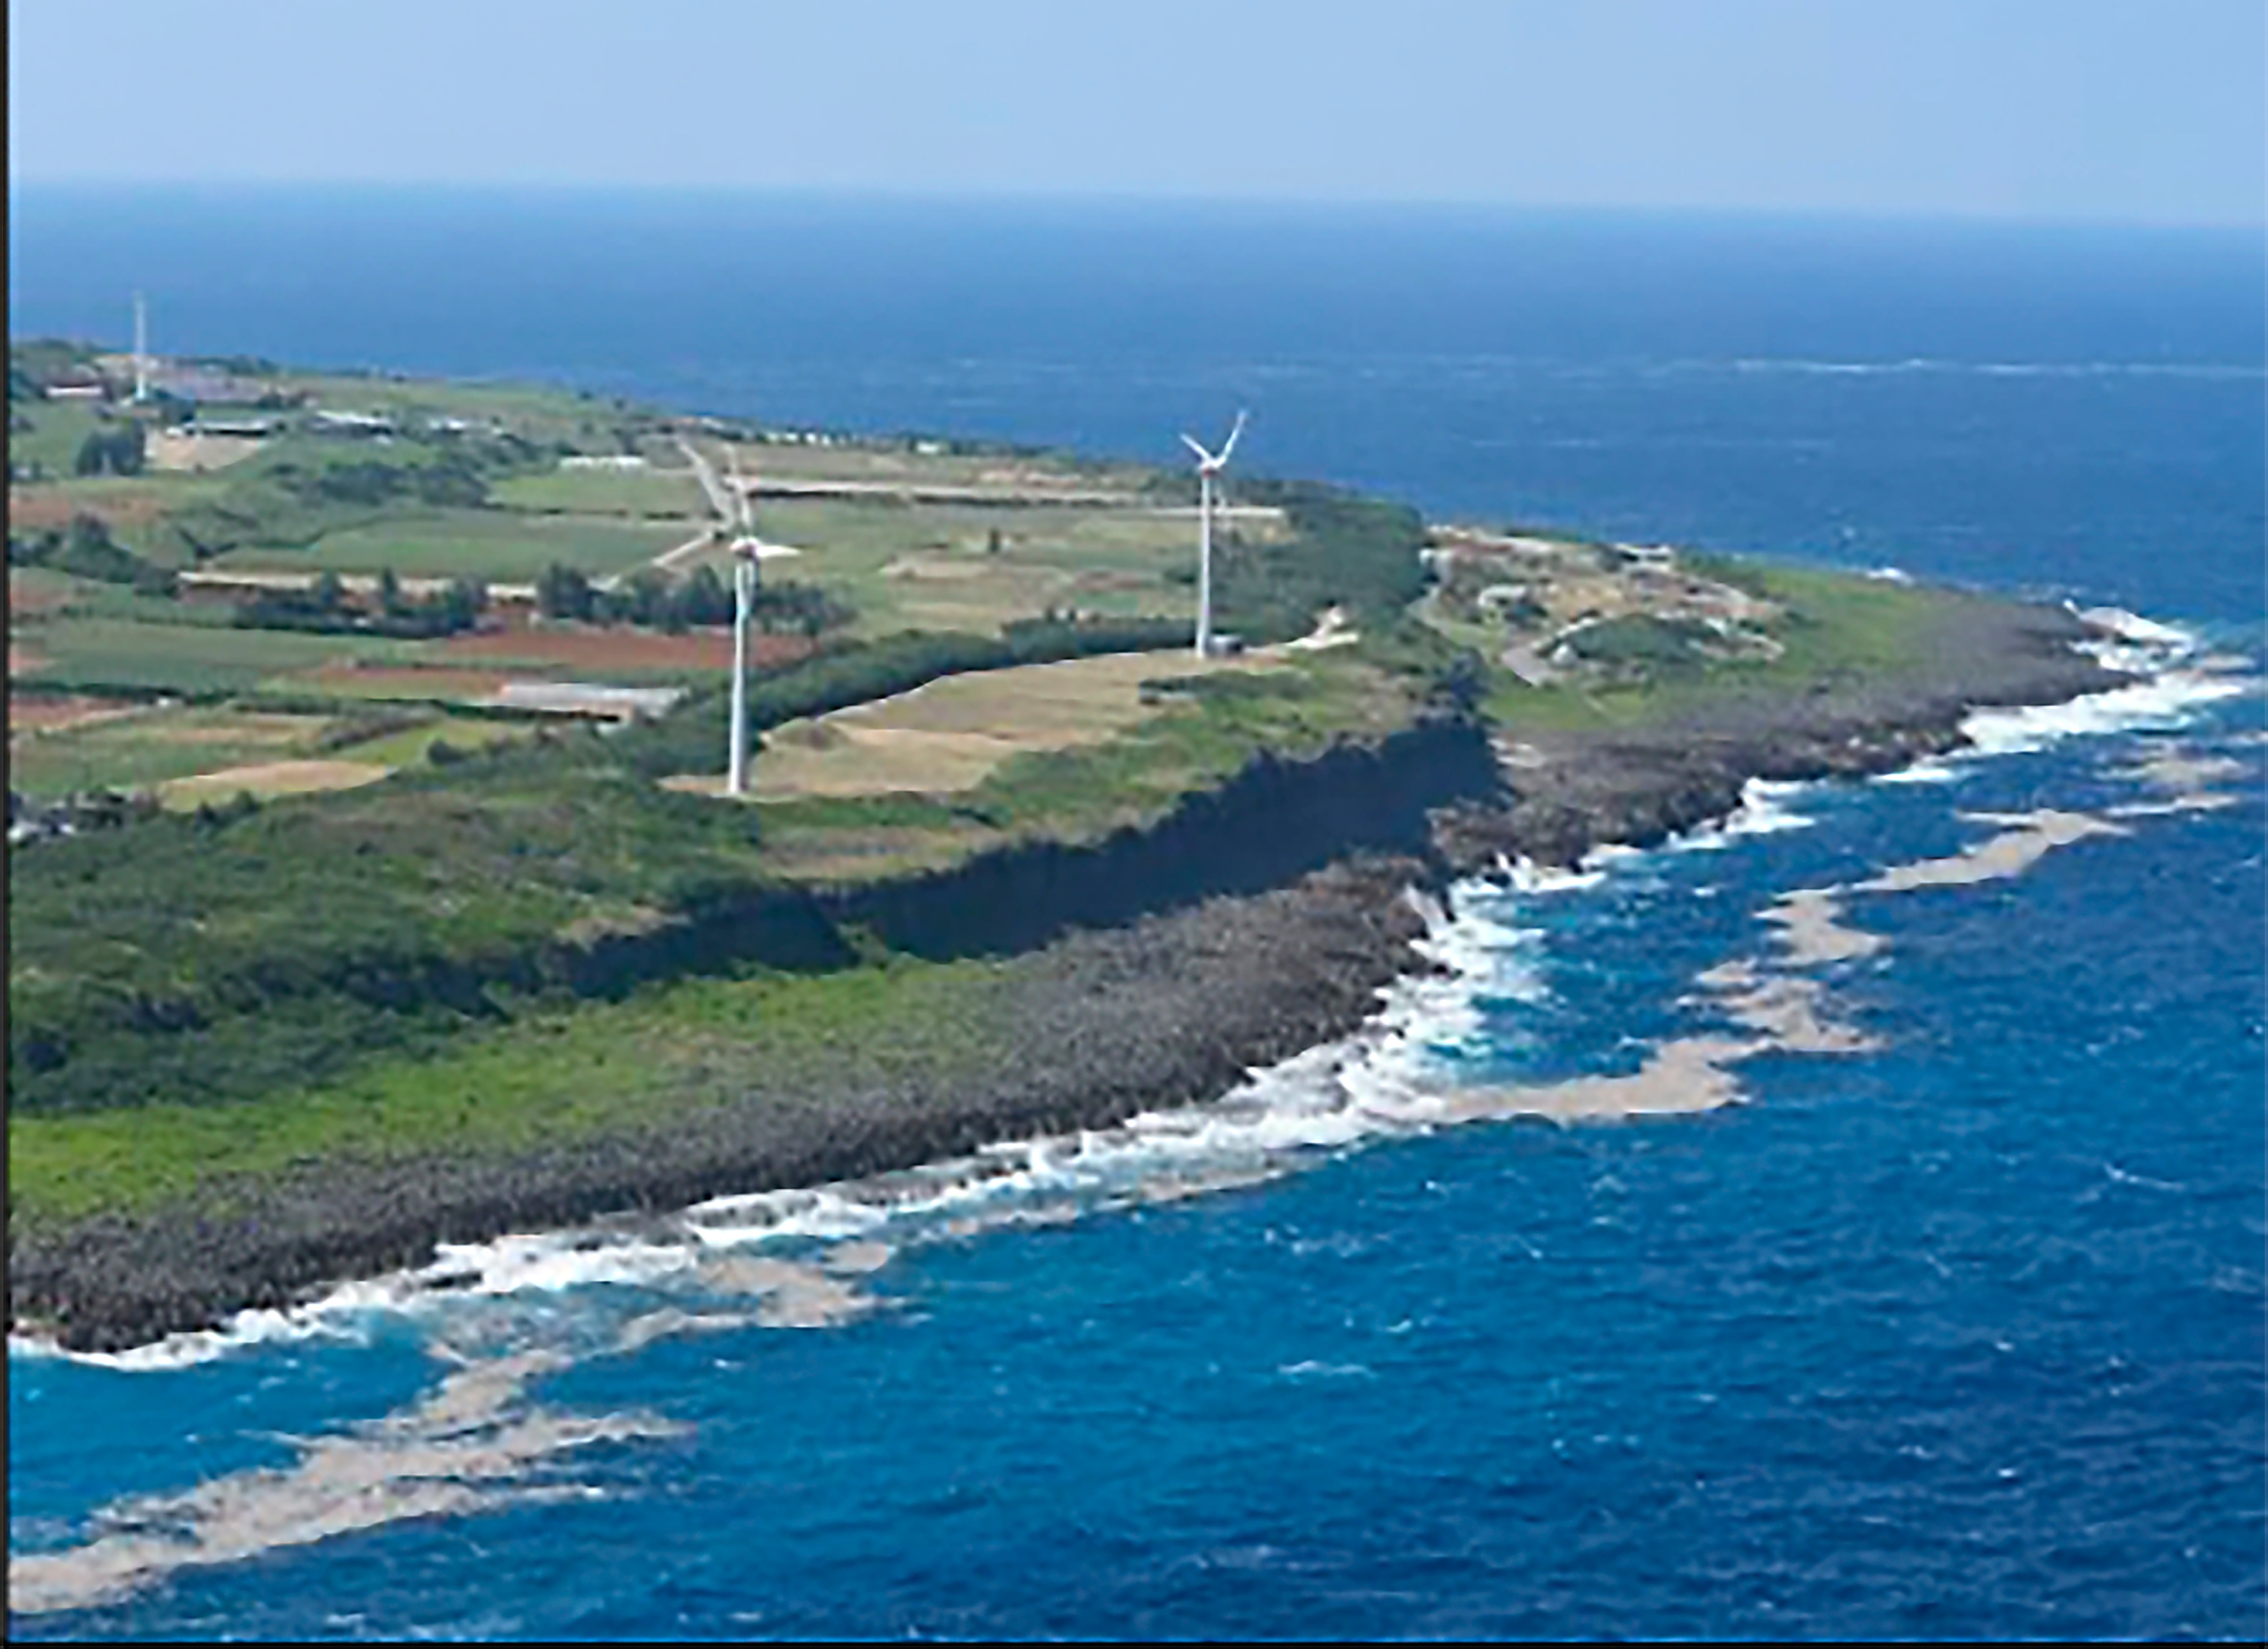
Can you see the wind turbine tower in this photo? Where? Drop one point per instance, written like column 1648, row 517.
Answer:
column 141, row 350
column 1209, row 465
column 744, row 601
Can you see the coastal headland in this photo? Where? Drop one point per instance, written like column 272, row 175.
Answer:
column 372, row 890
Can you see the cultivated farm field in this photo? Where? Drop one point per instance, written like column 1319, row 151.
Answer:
column 96, row 653
column 499, row 546
column 673, row 493
column 136, row 748
column 949, row 735
column 933, row 566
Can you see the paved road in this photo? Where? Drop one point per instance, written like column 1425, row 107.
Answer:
column 720, row 498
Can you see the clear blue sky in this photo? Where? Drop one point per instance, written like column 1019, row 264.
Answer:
column 2105, row 109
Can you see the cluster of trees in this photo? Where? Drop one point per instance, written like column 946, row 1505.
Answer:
column 453, row 478
column 86, row 550
column 648, row 599
column 120, row 451
column 1348, row 551
column 324, row 609
column 1639, row 641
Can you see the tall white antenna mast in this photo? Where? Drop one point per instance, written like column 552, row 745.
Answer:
column 141, row 350
column 1209, row 465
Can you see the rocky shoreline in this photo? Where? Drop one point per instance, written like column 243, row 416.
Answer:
column 1172, row 1009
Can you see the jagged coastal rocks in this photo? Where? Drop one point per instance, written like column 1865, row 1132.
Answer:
column 1150, row 970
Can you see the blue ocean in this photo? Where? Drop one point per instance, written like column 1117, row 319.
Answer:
column 1943, row 1318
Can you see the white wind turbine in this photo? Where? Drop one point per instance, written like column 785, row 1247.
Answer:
column 744, row 601
column 749, row 552
column 1209, row 465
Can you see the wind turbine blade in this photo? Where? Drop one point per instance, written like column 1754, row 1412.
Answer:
column 1204, row 457
column 1229, row 445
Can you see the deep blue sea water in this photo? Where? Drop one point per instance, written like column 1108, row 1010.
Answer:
column 1959, row 1337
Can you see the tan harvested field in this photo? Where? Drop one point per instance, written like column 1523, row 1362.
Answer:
column 171, row 450
column 23, row 661
column 43, row 714
column 108, row 745
column 122, row 503
column 949, row 735
column 241, row 727
column 269, row 778
column 599, row 650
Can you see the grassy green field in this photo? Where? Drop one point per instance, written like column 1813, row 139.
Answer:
column 410, row 746
column 547, row 1079
column 538, row 412
column 896, row 463
column 499, row 546
column 51, row 442
column 94, row 653
column 932, row 567
column 1837, row 628
column 649, row 492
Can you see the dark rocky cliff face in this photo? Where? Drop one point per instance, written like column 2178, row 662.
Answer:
column 1273, row 823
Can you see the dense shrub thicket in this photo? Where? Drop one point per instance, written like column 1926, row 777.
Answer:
column 1343, row 550
column 86, row 550
column 121, row 451
column 323, row 609
column 648, row 598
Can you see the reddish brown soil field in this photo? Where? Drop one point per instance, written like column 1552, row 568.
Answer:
column 597, row 651
column 24, row 597
column 36, row 507
column 379, row 681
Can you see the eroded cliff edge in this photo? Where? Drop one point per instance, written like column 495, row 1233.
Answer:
column 1150, row 969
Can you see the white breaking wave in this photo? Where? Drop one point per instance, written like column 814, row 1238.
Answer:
column 1760, row 812
column 2162, row 702
column 2210, row 370
column 2134, row 628
column 1524, row 875
column 1387, row 1079
column 2169, row 695
column 1929, row 770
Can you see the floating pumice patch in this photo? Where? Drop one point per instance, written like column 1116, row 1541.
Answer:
column 462, row 1449
column 793, row 1295
column 1811, row 929
column 2186, row 777
column 2025, row 839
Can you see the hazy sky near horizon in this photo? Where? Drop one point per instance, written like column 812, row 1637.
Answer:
column 2086, row 109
